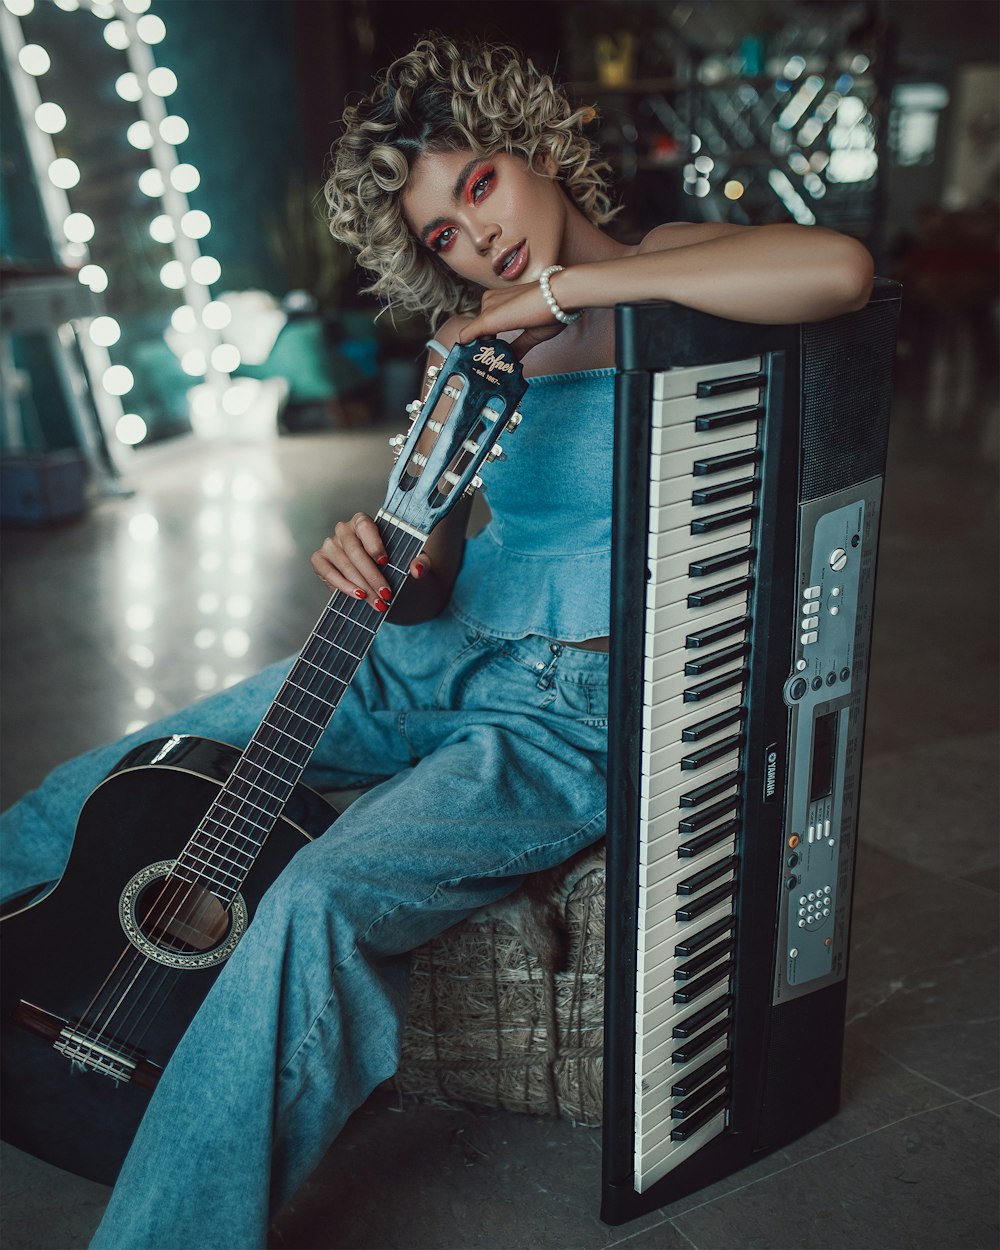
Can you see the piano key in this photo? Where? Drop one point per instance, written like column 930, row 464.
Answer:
column 672, row 729
column 667, row 559
column 691, row 690
column 661, row 638
column 686, row 1131
column 691, row 943
column 711, row 751
column 679, row 514
column 688, row 1084
column 657, row 941
column 703, row 729
column 660, row 879
column 707, row 635
column 718, row 592
column 705, row 902
column 655, row 1160
column 701, row 962
column 711, row 422
column 729, row 677
column 674, row 422
column 675, row 749
column 708, row 789
column 662, row 795
column 725, row 386
column 692, row 1022
column 706, row 661
column 743, row 510
column 671, row 383
column 697, row 881
column 709, row 566
column 693, row 990
column 711, row 837
column 695, row 822
column 658, row 1076
column 690, row 1106
column 672, row 476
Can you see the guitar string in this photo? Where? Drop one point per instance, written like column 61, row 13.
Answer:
column 297, row 696
column 168, row 894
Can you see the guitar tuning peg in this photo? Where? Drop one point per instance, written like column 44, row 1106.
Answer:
column 414, row 407
column 473, row 485
column 397, row 440
column 515, row 421
column 433, row 371
column 496, row 453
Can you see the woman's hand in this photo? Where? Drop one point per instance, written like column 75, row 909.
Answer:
column 351, row 560
column 519, row 308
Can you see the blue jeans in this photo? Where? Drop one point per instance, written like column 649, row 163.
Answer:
column 492, row 760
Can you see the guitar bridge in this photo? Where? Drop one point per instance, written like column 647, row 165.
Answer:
column 95, row 1053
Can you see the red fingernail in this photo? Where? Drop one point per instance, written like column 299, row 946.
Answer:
column 382, row 560
column 379, row 606
column 361, row 594
column 385, row 593
column 418, row 570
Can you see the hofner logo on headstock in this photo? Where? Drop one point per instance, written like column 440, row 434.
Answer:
column 494, row 362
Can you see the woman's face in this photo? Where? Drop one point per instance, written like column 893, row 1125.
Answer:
column 490, row 218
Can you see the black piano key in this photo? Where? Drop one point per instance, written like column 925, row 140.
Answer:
column 701, row 794
column 728, row 386
column 697, row 1020
column 706, row 689
column 706, row 566
column 697, row 1046
column 688, row 970
column 722, row 490
column 698, row 820
column 705, row 841
column 690, row 1107
column 725, row 460
column 712, row 724
column 698, row 759
column 721, row 590
column 688, row 1084
column 694, row 989
column 705, row 637
column 698, row 906
column 691, row 945
column 705, row 876
column 715, row 659
column 689, row 1127
column 694, row 1046
column 722, row 420
column 722, row 520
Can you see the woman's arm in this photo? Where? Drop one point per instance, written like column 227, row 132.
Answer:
column 768, row 274
column 349, row 559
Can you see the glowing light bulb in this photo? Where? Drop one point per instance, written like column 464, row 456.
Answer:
column 128, row 87
column 150, row 29
column 196, row 224
column 162, row 81
column 34, row 60
column 130, row 429
column 105, row 331
column 116, row 35
column 20, row 8
column 118, row 380
column 94, row 277
column 206, row 270
column 174, row 130
column 78, row 228
column 162, row 228
column 217, row 315
column 226, row 358
column 172, row 275
column 64, row 173
column 50, row 118
column 183, row 319
column 193, row 362
column 140, row 136
column 184, row 178
column 151, row 183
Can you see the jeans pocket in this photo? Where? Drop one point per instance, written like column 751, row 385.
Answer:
column 583, row 702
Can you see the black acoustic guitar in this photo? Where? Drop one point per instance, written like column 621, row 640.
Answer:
column 174, row 849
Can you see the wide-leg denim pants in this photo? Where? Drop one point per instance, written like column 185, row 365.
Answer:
column 491, row 758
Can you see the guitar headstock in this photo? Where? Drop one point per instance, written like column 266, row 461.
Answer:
column 453, row 432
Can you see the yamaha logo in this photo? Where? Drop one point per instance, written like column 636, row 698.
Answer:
column 770, row 772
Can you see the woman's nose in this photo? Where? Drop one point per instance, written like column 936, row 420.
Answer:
column 486, row 236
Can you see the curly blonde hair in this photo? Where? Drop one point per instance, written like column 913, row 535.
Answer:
column 445, row 97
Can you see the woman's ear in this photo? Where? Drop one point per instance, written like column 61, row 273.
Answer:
column 545, row 164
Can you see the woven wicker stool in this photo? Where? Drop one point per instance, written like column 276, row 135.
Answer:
column 491, row 1022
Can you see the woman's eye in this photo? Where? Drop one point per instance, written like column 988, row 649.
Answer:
column 443, row 240
column 481, row 185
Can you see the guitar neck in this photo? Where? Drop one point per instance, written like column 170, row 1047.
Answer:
column 226, row 843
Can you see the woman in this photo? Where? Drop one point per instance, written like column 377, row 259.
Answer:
column 470, row 192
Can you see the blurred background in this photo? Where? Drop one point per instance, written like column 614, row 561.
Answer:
column 194, row 391
column 162, row 164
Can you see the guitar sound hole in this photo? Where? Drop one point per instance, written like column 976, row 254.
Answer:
column 181, row 917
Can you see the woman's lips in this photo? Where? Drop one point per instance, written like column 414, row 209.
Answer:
column 517, row 264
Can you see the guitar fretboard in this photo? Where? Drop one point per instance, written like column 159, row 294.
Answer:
column 223, row 848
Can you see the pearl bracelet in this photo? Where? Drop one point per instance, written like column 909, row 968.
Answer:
column 543, row 281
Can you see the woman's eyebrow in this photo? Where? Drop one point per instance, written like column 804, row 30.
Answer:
column 456, row 195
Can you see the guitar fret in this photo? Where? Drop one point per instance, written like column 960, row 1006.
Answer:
column 352, row 620
column 274, row 751
column 236, row 876
column 303, row 660
column 229, row 831
column 301, row 715
column 286, row 734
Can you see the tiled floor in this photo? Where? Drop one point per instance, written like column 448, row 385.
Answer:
column 203, row 575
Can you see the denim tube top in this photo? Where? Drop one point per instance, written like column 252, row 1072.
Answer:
column 542, row 565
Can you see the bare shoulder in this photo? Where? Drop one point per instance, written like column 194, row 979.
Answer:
column 684, row 233
column 447, row 333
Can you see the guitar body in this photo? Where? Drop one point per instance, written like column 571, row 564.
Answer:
column 175, row 848
column 57, row 953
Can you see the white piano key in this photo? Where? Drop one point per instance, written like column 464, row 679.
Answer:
column 663, row 886
column 687, row 715
column 673, row 614
column 684, row 380
column 679, row 465
column 673, row 688
column 671, row 417
column 663, row 1051
column 657, row 1079
column 653, row 937
column 668, row 559
column 669, row 757
column 657, row 996
column 668, row 900
column 667, row 488
column 665, row 806
column 654, row 1159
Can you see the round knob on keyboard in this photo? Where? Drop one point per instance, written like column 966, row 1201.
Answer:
column 838, row 558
